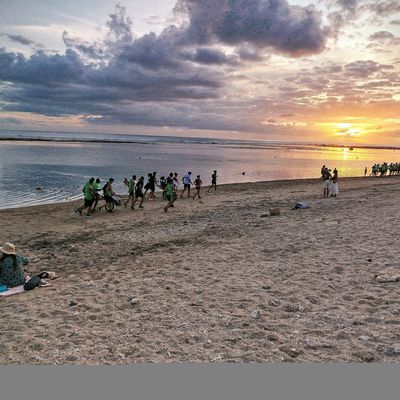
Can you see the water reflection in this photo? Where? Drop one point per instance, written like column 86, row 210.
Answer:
column 60, row 169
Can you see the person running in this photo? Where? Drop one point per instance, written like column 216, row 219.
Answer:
column 175, row 183
column 162, row 185
column 213, row 181
column 197, row 183
column 150, row 185
column 186, row 183
column 138, row 193
column 108, row 192
column 169, row 193
column 131, row 190
column 88, row 198
column 96, row 188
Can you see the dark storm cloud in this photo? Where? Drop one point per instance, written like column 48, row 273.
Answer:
column 40, row 68
column 165, row 79
column 209, row 56
column 275, row 24
column 151, row 52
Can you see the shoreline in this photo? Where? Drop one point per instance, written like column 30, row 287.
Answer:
column 211, row 280
column 222, row 185
column 199, row 140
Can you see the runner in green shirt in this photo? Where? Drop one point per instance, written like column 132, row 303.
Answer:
column 88, row 197
column 169, row 193
column 96, row 189
column 131, row 190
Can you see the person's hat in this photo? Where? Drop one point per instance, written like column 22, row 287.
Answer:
column 8, row 248
column 111, row 179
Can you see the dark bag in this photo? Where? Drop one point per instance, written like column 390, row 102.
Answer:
column 32, row 283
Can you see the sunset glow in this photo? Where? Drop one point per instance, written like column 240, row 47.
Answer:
column 328, row 72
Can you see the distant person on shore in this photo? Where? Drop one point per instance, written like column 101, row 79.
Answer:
column 197, row 183
column 88, row 198
column 11, row 266
column 186, row 183
column 125, row 181
column 131, row 191
column 138, row 193
column 365, row 171
column 213, row 181
column 326, row 176
column 96, row 188
column 322, row 171
column 335, row 185
column 169, row 193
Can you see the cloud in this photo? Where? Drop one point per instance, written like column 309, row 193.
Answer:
column 40, row 68
column 382, row 8
column 364, row 69
column 291, row 30
column 383, row 38
column 210, row 56
column 20, row 39
column 202, row 74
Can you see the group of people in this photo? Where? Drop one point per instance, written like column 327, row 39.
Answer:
column 91, row 195
column 138, row 190
column 330, row 181
column 382, row 169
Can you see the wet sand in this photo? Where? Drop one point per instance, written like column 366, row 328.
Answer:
column 215, row 280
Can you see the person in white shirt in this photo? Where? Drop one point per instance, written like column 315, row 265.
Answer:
column 186, row 183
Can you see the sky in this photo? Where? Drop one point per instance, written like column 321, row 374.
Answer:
column 324, row 71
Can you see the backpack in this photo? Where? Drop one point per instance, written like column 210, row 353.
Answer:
column 32, row 283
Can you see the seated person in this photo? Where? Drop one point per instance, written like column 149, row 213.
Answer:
column 108, row 191
column 11, row 266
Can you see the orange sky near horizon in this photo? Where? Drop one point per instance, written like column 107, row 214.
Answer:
column 333, row 80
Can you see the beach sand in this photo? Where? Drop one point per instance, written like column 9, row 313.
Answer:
column 216, row 280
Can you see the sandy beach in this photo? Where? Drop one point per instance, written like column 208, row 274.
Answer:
column 215, row 280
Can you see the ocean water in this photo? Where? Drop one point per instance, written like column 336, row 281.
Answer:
column 40, row 172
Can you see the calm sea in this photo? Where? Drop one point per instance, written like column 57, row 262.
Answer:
column 37, row 172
